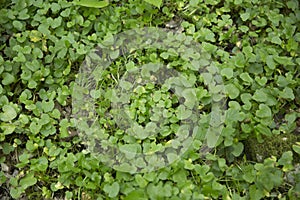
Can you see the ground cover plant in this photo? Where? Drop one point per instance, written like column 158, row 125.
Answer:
column 252, row 45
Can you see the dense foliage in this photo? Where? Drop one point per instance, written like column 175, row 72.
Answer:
column 253, row 43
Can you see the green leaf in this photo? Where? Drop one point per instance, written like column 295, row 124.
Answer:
column 284, row 60
column 249, row 173
column 40, row 164
column 140, row 181
column 286, row 161
column 7, row 128
column 47, row 106
column 246, row 77
column 137, row 194
column 18, row 25
column 260, row 95
column 245, row 16
column 270, row 62
column 261, row 81
column 232, row 91
column 172, row 157
column 239, row 60
column 27, row 181
column 92, row 3
column 183, row 113
column 263, row 130
column 264, row 111
column 189, row 95
column 7, row 78
column 255, row 193
column 296, row 148
column 156, row 3
column 129, row 150
column 16, row 192
column 237, row 149
column 211, row 137
column 276, row 40
column 112, row 190
column 9, row 113
column 227, row 72
column 287, row 93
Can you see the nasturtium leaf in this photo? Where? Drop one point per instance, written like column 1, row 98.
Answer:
column 8, row 114
column 92, row 3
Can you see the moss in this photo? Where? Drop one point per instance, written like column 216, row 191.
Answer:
column 271, row 146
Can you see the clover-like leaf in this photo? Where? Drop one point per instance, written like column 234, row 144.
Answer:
column 28, row 181
column 9, row 113
column 232, row 91
column 92, row 3
column 264, row 111
column 112, row 190
column 156, row 3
